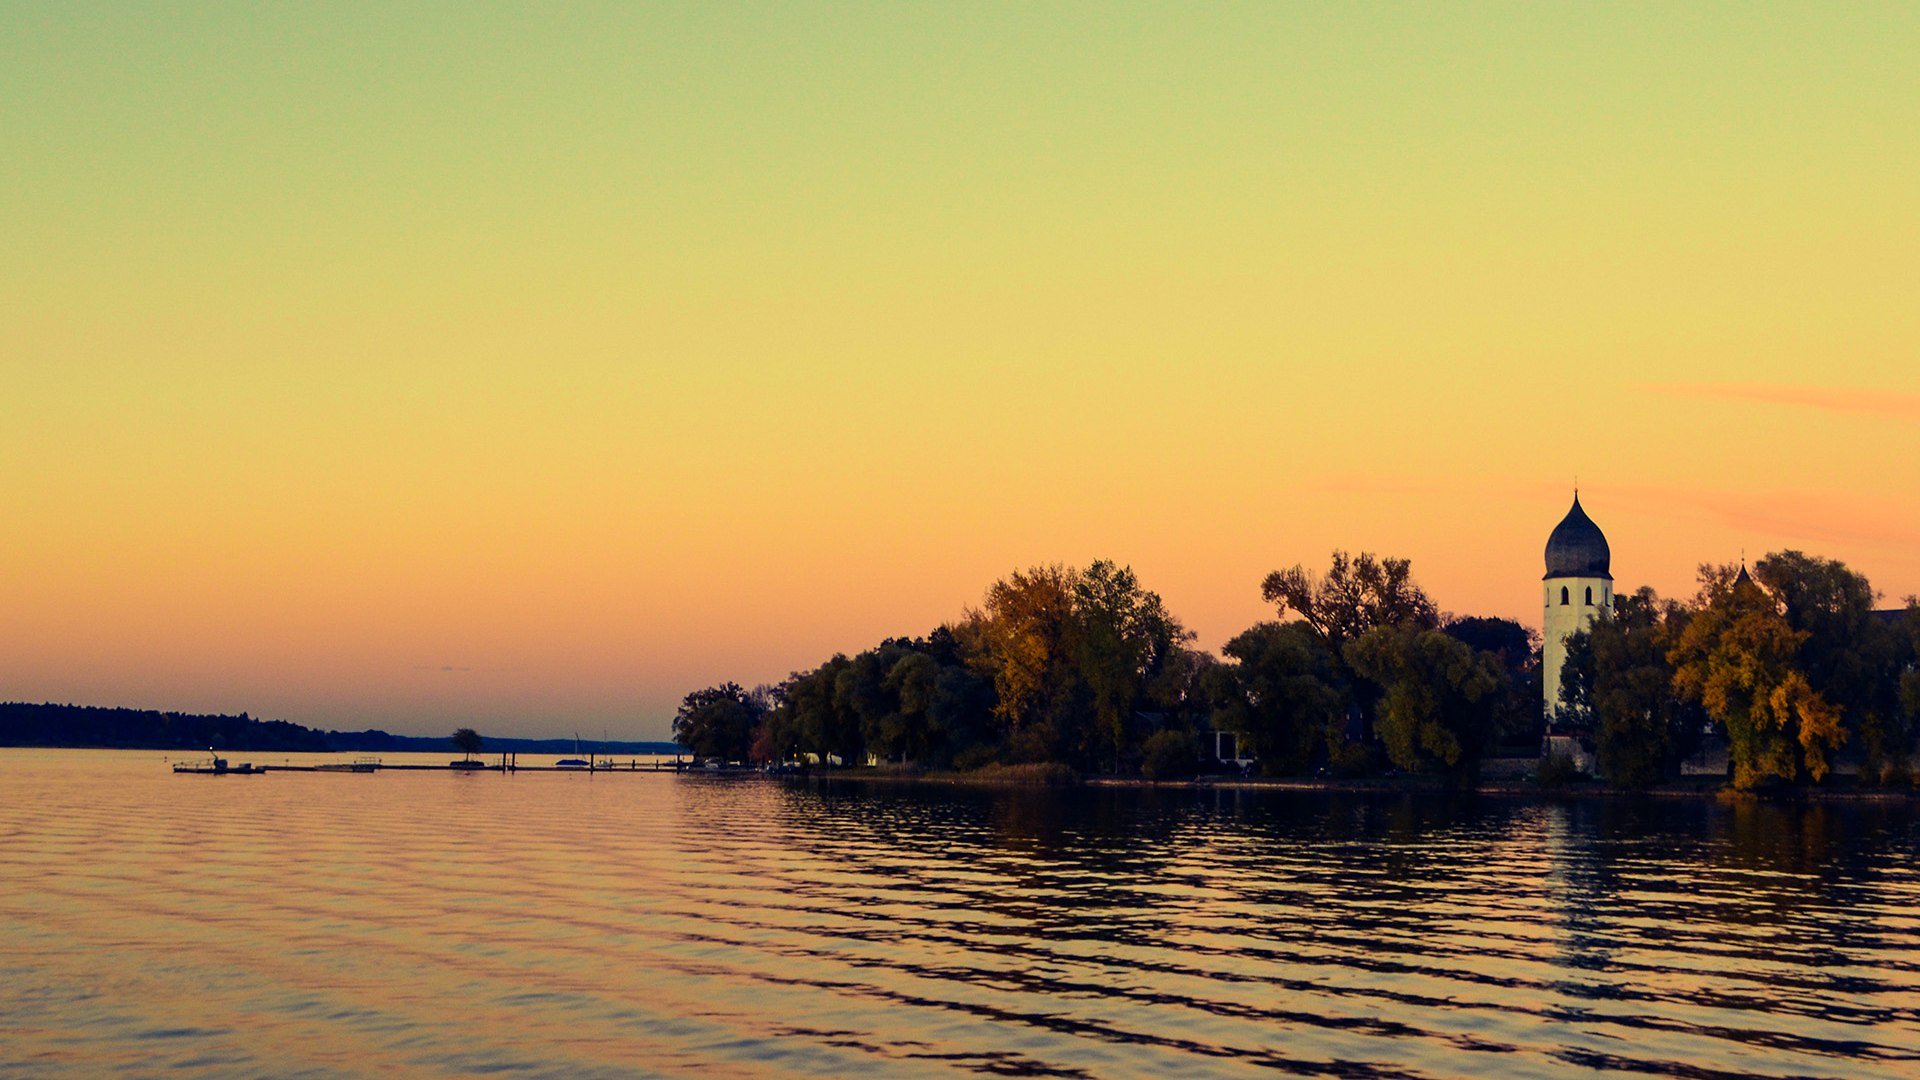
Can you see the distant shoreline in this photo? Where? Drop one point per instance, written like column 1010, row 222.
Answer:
column 54, row 726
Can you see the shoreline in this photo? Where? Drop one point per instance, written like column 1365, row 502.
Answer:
column 1056, row 777
column 1715, row 791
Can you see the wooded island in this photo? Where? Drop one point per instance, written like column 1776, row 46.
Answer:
column 1789, row 668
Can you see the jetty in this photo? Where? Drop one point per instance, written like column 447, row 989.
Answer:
column 507, row 763
column 217, row 766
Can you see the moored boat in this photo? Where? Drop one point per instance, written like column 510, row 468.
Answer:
column 218, row 766
column 575, row 762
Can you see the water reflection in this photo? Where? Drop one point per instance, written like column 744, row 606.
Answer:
column 637, row 925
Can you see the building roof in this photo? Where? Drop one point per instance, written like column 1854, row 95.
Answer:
column 1577, row 548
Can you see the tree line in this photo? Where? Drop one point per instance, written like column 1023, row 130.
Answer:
column 30, row 724
column 1359, row 673
column 1085, row 667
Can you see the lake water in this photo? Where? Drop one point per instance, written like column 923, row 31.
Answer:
column 314, row 924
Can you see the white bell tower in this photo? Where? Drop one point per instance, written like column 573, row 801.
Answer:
column 1578, row 587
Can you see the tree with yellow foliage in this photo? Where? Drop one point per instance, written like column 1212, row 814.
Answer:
column 1074, row 656
column 1018, row 638
column 1738, row 657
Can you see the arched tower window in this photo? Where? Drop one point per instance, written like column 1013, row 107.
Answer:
column 1565, row 598
column 1589, row 596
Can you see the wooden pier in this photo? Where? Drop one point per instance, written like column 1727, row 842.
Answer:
column 508, row 765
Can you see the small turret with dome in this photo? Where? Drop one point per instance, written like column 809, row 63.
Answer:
column 1578, row 587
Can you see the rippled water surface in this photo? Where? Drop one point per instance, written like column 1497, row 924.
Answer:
column 619, row 925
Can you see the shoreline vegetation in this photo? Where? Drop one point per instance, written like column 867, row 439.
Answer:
column 1784, row 680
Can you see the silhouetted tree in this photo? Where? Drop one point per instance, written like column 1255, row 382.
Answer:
column 1355, row 595
column 1123, row 640
column 1852, row 659
column 1439, row 700
column 1517, row 648
column 1282, row 693
column 718, row 722
column 1618, row 683
column 467, row 741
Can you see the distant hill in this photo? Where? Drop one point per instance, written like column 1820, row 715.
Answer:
column 26, row 724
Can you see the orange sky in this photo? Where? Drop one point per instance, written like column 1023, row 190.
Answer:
column 398, row 369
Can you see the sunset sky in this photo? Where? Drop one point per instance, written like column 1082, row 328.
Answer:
column 529, row 367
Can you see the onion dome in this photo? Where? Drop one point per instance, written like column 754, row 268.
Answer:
column 1577, row 548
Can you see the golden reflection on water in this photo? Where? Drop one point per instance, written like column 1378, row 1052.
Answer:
column 551, row 924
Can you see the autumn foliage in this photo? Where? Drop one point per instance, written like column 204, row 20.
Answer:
column 1790, row 665
column 1359, row 672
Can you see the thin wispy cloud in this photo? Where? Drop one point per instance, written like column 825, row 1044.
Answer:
column 1894, row 404
column 1784, row 515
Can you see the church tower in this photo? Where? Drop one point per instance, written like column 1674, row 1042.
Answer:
column 1579, row 586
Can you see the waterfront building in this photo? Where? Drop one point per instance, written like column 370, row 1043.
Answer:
column 1578, row 586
